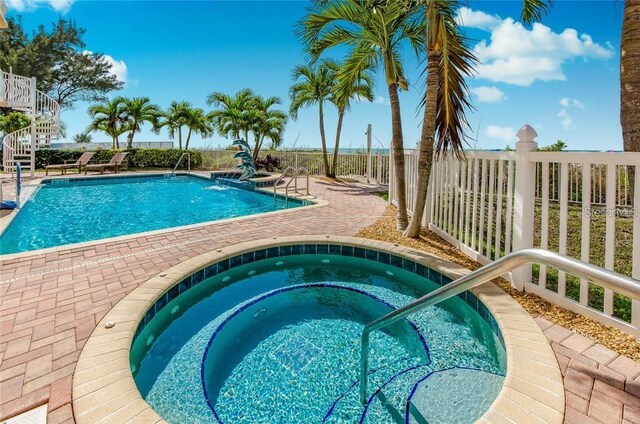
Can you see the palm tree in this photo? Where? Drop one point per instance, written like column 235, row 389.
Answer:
column 630, row 76
column 375, row 32
column 83, row 137
column 232, row 119
column 313, row 85
column 174, row 118
column 267, row 123
column 136, row 112
column 341, row 97
column 449, row 60
column 197, row 121
column 108, row 117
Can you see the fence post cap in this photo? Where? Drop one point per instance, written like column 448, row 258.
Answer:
column 527, row 134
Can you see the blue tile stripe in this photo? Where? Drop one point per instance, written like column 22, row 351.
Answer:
column 315, row 248
column 255, row 301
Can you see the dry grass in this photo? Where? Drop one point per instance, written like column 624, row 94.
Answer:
column 384, row 229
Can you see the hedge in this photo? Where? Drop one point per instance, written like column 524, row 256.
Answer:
column 137, row 158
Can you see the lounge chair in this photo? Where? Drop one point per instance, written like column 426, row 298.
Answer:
column 80, row 163
column 116, row 161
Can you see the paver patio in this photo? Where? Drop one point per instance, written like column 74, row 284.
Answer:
column 51, row 302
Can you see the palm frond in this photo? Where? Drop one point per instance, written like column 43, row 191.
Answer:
column 533, row 10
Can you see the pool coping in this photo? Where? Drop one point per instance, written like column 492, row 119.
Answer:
column 6, row 220
column 104, row 389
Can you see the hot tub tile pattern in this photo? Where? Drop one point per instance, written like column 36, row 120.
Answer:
column 542, row 397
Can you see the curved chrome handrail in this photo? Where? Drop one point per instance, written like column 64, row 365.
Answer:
column 180, row 160
column 299, row 172
column 608, row 279
column 282, row 175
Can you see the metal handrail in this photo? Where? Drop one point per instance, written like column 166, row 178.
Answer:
column 608, row 279
column 282, row 175
column 180, row 159
column 299, row 172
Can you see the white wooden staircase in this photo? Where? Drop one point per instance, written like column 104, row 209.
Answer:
column 20, row 93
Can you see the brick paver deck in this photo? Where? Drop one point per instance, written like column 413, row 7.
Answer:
column 50, row 303
column 600, row 385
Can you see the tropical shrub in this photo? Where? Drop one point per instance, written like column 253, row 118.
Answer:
column 268, row 163
column 137, row 158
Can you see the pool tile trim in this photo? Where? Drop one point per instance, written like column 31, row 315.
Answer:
column 94, row 382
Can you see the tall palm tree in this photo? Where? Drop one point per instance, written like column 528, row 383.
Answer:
column 341, row 97
column 232, row 119
column 136, row 112
column 197, row 122
column 313, row 85
column 449, row 60
column 108, row 117
column 375, row 32
column 267, row 123
column 630, row 76
column 174, row 118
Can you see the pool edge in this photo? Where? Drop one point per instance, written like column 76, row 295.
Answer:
column 103, row 386
column 6, row 220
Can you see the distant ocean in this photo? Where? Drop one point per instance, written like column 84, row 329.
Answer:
column 340, row 150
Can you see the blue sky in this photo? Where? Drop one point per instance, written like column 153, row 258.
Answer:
column 561, row 76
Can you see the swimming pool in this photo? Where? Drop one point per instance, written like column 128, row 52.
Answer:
column 273, row 335
column 65, row 211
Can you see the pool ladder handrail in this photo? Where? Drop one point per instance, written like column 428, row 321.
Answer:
column 188, row 155
column 283, row 175
column 608, row 279
column 302, row 171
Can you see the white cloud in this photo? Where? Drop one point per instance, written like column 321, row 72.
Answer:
column 506, row 134
column 488, row 94
column 565, row 119
column 477, row 19
column 380, row 100
column 519, row 55
column 61, row 6
column 567, row 102
column 118, row 67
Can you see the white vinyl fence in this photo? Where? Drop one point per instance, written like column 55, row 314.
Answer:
column 372, row 169
column 582, row 204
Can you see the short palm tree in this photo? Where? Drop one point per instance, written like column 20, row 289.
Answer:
column 341, row 97
column 136, row 112
column 108, row 117
column 231, row 118
column 375, row 32
column 313, row 85
column 174, row 118
column 267, row 123
column 197, row 122
column 83, row 137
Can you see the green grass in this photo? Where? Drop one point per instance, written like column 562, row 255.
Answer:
column 383, row 194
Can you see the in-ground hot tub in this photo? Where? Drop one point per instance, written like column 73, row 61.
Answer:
column 272, row 334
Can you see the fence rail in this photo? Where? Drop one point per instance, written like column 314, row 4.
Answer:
column 359, row 167
column 582, row 204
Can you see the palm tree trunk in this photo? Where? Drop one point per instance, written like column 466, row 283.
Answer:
column 117, row 142
column 427, row 139
column 323, row 140
column 180, row 138
column 334, row 163
column 630, row 76
column 114, row 142
column 186, row 144
column 256, row 147
column 130, row 140
column 398, row 156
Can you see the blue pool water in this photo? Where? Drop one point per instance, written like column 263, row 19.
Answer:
column 278, row 341
column 72, row 211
